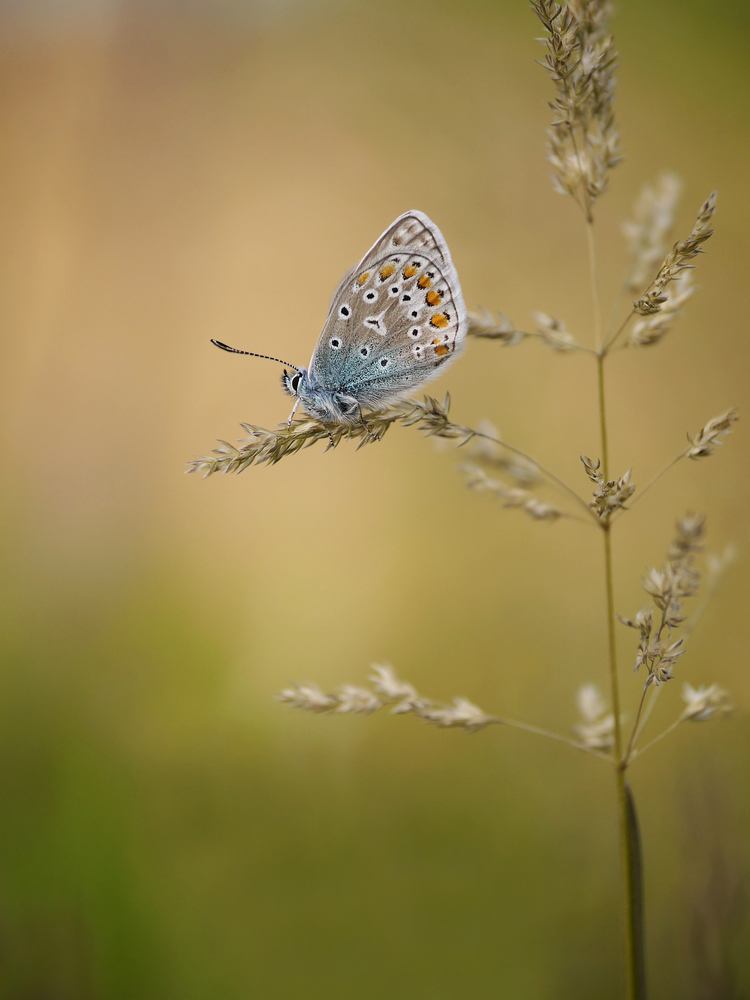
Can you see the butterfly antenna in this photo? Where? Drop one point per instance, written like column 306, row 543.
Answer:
column 252, row 354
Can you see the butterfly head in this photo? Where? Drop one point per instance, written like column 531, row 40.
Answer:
column 330, row 406
column 292, row 381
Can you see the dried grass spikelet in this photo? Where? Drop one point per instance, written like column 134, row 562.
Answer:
column 648, row 229
column 709, row 437
column 496, row 326
column 431, row 416
column 477, row 479
column 389, row 690
column 483, row 323
column 552, row 331
column 462, row 714
column 650, row 329
column 487, row 451
column 309, row 697
column 717, row 563
column 677, row 260
column 669, row 587
column 701, row 704
column 608, row 496
column 348, row 699
column 265, row 446
column 597, row 730
column 357, row 699
column 583, row 142
column 400, row 694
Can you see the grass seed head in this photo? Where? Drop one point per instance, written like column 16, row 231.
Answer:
column 709, row 437
column 648, row 229
column 677, row 260
column 597, row 730
column 703, row 703
column 483, row 323
column 583, row 141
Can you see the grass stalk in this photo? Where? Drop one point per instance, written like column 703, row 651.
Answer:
column 629, row 836
column 658, row 476
column 561, row 484
column 537, row 731
column 656, row 739
column 594, row 285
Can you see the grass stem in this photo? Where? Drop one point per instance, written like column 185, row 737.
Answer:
column 594, row 285
column 657, row 477
column 636, row 730
column 656, row 739
column 632, row 869
column 553, row 736
column 610, row 343
column 545, row 472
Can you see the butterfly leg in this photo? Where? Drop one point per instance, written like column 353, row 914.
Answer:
column 368, row 432
column 291, row 415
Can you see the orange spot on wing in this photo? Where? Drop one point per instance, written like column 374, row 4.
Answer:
column 424, row 282
column 441, row 350
column 410, row 271
column 386, row 271
column 433, row 299
column 363, row 278
column 440, row 320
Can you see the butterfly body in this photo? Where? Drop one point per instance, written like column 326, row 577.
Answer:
column 395, row 321
column 329, row 406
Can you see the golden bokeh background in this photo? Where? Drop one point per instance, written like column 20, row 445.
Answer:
column 177, row 171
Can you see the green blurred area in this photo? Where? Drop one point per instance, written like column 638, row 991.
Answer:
column 173, row 172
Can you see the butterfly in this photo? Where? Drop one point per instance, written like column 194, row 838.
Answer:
column 395, row 321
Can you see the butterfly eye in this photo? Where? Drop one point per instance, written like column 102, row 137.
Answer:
column 335, row 343
column 295, row 381
column 345, row 312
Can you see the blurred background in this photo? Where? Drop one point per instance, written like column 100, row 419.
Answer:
column 175, row 171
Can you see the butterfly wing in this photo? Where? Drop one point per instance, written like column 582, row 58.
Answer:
column 396, row 319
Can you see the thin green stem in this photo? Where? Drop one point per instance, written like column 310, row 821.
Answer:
column 610, row 343
column 629, row 844
column 670, row 729
column 614, row 311
column 657, row 477
column 602, row 415
column 635, row 731
column 612, row 639
column 629, row 836
column 539, row 336
column 594, row 284
column 656, row 688
column 553, row 736
column 545, row 472
column 633, row 864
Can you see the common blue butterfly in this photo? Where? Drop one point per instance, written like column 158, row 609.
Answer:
column 395, row 321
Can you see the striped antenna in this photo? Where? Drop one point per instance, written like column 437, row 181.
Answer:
column 267, row 357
